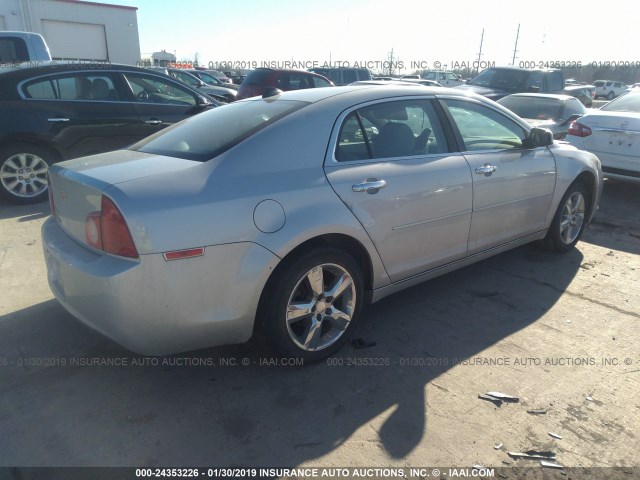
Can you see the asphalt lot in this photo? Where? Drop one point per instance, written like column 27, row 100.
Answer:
column 559, row 332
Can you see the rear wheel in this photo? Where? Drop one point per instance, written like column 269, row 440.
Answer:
column 611, row 95
column 23, row 173
column 569, row 221
column 313, row 305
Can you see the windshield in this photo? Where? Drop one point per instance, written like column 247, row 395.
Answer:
column 533, row 108
column 626, row 103
column 207, row 135
column 505, row 79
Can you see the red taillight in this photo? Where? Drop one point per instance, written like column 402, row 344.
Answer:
column 52, row 204
column 106, row 230
column 577, row 129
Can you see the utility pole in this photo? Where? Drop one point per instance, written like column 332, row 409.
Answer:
column 515, row 48
column 480, row 52
column 390, row 60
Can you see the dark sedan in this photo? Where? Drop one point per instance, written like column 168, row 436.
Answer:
column 57, row 112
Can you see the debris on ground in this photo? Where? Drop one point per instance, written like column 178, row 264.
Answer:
column 589, row 398
column 537, row 411
column 498, row 446
column 555, row 435
column 496, row 401
column 360, row 343
column 533, row 455
column 546, row 463
column 504, row 397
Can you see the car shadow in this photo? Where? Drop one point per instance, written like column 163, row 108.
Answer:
column 74, row 398
column 614, row 225
column 24, row 212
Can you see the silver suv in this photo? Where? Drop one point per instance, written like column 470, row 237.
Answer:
column 609, row 89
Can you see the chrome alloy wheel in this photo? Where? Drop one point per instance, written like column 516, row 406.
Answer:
column 24, row 175
column 572, row 218
column 321, row 307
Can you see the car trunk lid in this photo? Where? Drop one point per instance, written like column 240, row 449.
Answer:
column 615, row 139
column 77, row 185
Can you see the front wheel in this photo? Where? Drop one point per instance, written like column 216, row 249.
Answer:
column 611, row 95
column 23, row 173
column 569, row 221
column 313, row 305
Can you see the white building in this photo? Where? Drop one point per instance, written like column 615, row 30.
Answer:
column 76, row 29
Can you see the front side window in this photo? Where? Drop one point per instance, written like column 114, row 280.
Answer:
column 320, row 82
column 76, row 86
column 555, row 81
column 392, row 129
column 151, row 89
column 482, row 128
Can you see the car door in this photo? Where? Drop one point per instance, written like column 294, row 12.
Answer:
column 82, row 112
column 159, row 101
column 512, row 185
column 392, row 166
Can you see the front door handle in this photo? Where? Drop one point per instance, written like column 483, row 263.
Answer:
column 486, row 170
column 58, row 119
column 370, row 185
column 153, row 121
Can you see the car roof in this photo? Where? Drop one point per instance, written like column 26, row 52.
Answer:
column 552, row 96
column 353, row 94
column 28, row 68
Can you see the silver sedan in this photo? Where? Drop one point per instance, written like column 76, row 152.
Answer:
column 283, row 215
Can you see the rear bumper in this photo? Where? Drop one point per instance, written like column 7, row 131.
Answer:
column 155, row 307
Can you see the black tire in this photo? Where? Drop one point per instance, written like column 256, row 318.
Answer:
column 611, row 95
column 570, row 219
column 291, row 285
column 23, row 173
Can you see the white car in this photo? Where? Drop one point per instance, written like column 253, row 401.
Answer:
column 613, row 134
column 609, row 89
column 446, row 79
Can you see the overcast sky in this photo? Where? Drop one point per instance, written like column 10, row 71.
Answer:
column 366, row 31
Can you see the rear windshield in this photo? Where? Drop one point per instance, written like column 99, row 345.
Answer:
column 13, row 49
column 506, row 79
column 256, row 77
column 534, row 108
column 207, row 135
column 626, row 103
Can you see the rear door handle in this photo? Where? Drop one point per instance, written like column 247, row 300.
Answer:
column 486, row 169
column 153, row 121
column 58, row 119
column 370, row 185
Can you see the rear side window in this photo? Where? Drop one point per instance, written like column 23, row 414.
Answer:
column 389, row 130
column 76, row 86
column 208, row 134
column 13, row 49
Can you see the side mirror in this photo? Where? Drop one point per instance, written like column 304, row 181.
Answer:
column 203, row 102
column 538, row 137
